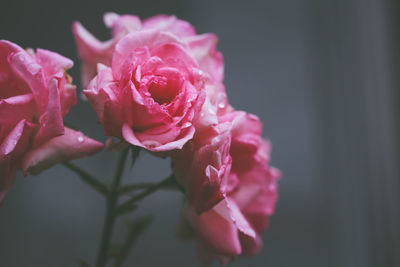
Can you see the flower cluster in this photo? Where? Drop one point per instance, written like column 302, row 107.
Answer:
column 156, row 84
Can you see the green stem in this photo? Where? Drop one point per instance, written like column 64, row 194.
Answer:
column 87, row 178
column 127, row 205
column 136, row 229
column 110, row 217
column 126, row 189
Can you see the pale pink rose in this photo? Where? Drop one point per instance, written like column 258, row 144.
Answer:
column 152, row 94
column 233, row 226
column 92, row 51
column 35, row 95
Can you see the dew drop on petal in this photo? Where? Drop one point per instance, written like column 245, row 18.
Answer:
column 80, row 139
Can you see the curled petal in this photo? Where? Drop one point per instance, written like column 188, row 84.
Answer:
column 171, row 24
column 203, row 48
column 15, row 109
column 153, row 144
column 17, row 141
column 53, row 63
column 7, row 77
column 91, row 51
column 121, row 24
column 28, row 70
column 71, row 145
column 230, row 211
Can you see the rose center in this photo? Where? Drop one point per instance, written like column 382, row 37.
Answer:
column 163, row 90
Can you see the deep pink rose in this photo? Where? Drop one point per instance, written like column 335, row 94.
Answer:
column 92, row 51
column 233, row 226
column 35, row 95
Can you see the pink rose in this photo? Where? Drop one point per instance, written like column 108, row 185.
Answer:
column 203, row 167
column 233, row 226
column 152, row 95
column 35, row 95
column 92, row 51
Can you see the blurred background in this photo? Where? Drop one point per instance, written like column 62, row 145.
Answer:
column 323, row 76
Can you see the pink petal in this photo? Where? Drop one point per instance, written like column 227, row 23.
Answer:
column 91, row 51
column 203, row 48
column 153, row 144
column 8, row 80
column 17, row 141
column 68, row 98
column 32, row 73
column 15, row 109
column 230, row 211
column 121, row 24
column 217, row 232
column 251, row 246
column 71, row 145
column 52, row 124
column 174, row 52
column 171, row 24
column 130, row 136
column 144, row 38
column 52, row 62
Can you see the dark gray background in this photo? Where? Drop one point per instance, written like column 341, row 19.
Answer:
column 322, row 76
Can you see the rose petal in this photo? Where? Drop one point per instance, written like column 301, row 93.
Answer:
column 171, row 24
column 7, row 77
column 149, row 38
column 71, row 145
column 217, row 232
column 16, row 142
column 53, row 63
column 121, row 24
column 32, row 73
column 91, row 51
column 51, row 122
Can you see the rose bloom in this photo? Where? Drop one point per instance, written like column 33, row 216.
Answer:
column 203, row 166
column 154, row 78
column 93, row 51
column 35, row 95
column 232, row 226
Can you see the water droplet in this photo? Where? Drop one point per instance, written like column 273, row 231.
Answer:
column 80, row 139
